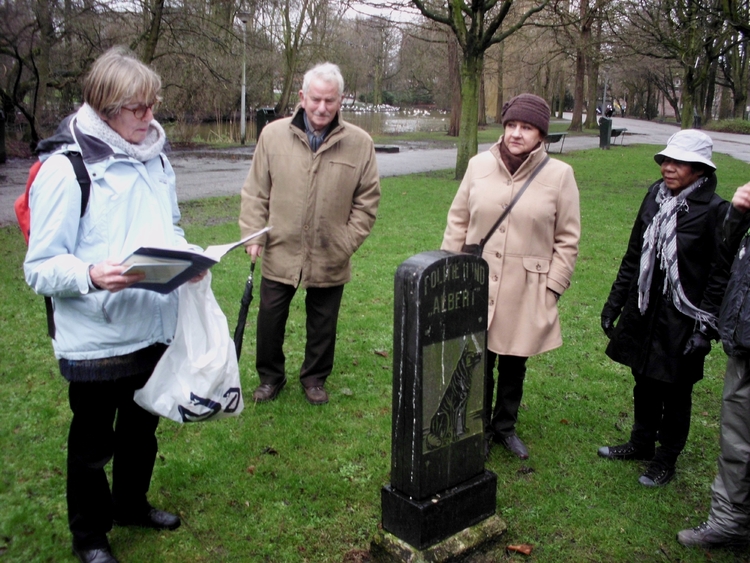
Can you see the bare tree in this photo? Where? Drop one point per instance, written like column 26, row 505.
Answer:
column 684, row 31
column 477, row 26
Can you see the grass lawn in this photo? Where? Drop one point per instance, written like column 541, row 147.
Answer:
column 287, row 482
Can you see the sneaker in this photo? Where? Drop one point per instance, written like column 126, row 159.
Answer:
column 706, row 537
column 656, row 475
column 626, row 451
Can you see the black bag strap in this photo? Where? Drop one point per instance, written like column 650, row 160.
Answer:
column 505, row 212
column 82, row 175
column 84, row 181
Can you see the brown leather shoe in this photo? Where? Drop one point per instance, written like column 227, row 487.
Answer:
column 268, row 392
column 514, row 445
column 316, row 395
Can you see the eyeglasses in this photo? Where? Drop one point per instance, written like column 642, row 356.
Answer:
column 140, row 111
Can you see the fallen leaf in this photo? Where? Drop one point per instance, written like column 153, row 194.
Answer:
column 383, row 353
column 270, row 451
column 564, row 421
column 522, row 548
column 251, row 470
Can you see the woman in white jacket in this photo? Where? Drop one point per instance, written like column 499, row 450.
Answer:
column 108, row 336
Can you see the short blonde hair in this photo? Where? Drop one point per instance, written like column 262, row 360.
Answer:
column 118, row 78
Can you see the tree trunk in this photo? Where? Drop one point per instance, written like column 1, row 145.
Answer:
column 576, row 120
column 593, row 92
column 454, row 70
column 152, row 35
column 471, row 71
column 42, row 60
column 482, row 117
column 500, row 98
column 688, row 101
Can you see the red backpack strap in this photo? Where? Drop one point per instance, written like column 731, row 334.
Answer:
column 21, row 205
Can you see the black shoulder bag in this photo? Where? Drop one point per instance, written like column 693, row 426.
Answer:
column 477, row 249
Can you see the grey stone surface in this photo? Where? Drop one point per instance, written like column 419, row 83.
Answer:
column 387, row 548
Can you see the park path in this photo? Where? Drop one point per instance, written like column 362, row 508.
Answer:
column 212, row 173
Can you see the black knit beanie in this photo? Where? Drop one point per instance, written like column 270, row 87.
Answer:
column 529, row 109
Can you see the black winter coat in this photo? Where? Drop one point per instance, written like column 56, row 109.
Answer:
column 652, row 344
column 734, row 317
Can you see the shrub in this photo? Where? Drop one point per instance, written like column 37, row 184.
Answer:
column 741, row 126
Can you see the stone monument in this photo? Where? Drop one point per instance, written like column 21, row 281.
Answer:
column 439, row 485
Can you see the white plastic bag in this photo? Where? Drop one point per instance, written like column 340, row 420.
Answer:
column 197, row 378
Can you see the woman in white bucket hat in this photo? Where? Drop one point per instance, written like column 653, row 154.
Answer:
column 666, row 297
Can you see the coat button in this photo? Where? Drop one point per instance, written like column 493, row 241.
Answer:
column 499, row 254
column 502, row 229
column 504, row 205
column 510, row 182
column 538, row 267
column 494, row 278
column 492, row 301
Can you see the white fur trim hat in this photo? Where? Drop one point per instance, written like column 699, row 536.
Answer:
column 688, row 145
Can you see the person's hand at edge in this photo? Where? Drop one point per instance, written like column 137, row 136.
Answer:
column 741, row 198
column 254, row 250
column 107, row 275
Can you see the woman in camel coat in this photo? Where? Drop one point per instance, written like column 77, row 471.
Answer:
column 531, row 255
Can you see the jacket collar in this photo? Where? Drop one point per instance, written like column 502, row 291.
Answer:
column 704, row 193
column 299, row 122
column 535, row 158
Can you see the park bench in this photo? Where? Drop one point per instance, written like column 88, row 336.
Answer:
column 618, row 133
column 554, row 138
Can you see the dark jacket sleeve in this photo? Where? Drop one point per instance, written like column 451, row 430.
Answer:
column 629, row 267
column 719, row 267
column 734, row 228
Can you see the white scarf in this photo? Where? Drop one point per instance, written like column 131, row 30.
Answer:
column 144, row 151
column 660, row 241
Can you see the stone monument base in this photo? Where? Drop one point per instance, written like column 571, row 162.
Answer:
column 423, row 523
column 387, row 548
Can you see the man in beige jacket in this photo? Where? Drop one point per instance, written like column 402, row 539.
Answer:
column 314, row 179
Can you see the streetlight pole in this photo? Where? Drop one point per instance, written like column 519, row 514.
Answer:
column 244, row 16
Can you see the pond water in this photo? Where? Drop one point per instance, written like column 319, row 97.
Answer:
column 374, row 122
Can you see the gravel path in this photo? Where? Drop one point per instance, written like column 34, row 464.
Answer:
column 216, row 173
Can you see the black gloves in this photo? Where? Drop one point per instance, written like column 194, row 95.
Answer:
column 608, row 324
column 698, row 345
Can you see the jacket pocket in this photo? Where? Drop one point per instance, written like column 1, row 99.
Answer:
column 536, row 265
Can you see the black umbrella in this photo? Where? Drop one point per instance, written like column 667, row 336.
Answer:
column 247, row 297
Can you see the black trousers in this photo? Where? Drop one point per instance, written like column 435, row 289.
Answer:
column 511, row 372
column 661, row 413
column 322, row 309
column 107, row 424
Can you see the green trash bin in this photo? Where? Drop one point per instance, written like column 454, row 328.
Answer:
column 263, row 116
column 605, row 132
